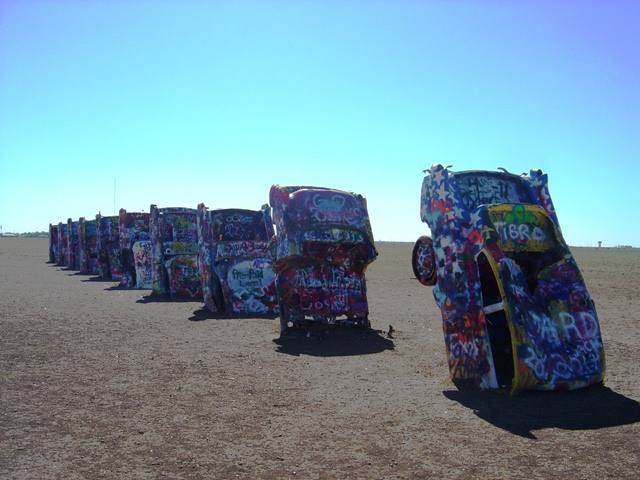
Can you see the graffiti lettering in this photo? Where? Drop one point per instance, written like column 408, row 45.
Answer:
column 247, row 279
column 476, row 190
column 580, row 325
column 241, row 249
column 583, row 362
column 520, row 233
column 334, row 209
column 461, row 349
column 247, row 274
column 444, row 206
column 237, row 218
column 333, row 235
column 468, row 358
column 304, row 279
column 337, row 300
column 238, row 231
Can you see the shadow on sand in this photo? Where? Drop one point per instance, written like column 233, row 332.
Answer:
column 204, row 314
column 334, row 342
column 151, row 298
column 585, row 409
column 88, row 277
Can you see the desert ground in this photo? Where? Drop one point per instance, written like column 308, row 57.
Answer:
column 101, row 382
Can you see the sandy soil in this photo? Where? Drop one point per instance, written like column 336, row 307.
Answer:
column 100, row 382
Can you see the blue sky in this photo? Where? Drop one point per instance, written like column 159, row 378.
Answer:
column 181, row 102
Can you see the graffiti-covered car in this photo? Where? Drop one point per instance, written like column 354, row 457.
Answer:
column 88, row 246
column 323, row 245
column 234, row 261
column 109, row 255
column 73, row 245
column 135, row 249
column 53, row 243
column 174, row 252
column 515, row 308
column 63, row 243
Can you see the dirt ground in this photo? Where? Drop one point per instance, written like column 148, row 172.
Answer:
column 100, row 382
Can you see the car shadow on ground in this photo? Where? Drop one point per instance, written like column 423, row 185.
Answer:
column 332, row 341
column 204, row 314
column 153, row 298
column 89, row 277
column 584, row 409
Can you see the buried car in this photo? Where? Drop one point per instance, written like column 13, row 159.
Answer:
column 73, row 245
column 88, row 246
column 108, row 244
column 234, row 261
column 515, row 308
column 53, row 243
column 135, row 249
column 63, row 241
column 323, row 245
column 174, row 252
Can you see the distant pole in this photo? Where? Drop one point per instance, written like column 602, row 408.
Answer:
column 114, row 195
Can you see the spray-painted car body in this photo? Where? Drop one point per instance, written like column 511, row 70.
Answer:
column 73, row 245
column 109, row 256
column 323, row 245
column 63, row 243
column 88, row 246
column 516, row 311
column 53, row 243
column 135, row 249
column 234, row 261
column 174, row 252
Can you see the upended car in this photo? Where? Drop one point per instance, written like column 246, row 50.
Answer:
column 235, row 261
column 53, row 243
column 135, row 249
column 73, row 245
column 323, row 245
column 88, row 246
column 516, row 313
column 63, row 247
column 174, row 252
column 108, row 244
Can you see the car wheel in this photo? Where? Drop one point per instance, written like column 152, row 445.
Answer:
column 423, row 261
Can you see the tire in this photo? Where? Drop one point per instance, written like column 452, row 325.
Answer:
column 423, row 261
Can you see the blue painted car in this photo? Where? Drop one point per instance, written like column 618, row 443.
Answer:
column 516, row 312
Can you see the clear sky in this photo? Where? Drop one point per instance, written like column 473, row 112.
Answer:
column 178, row 102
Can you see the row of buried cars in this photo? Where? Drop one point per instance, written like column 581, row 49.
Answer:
column 313, row 271
column 516, row 312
